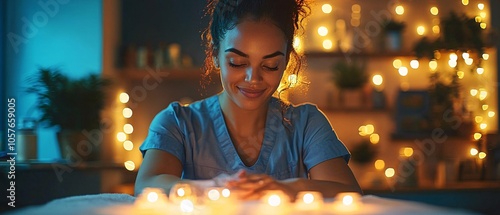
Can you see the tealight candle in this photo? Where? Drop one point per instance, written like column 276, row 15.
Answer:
column 309, row 200
column 274, row 202
column 348, row 201
column 151, row 198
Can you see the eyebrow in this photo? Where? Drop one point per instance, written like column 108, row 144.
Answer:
column 240, row 53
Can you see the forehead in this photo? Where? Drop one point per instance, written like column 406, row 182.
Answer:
column 255, row 37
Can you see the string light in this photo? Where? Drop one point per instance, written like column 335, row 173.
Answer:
column 129, row 165
column 389, row 172
column 374, row 138
column 377, row 80
column 482, row 25
column 491, row 114
column 433, row 65
column 400, row 10
column 326, row 8
column 434, row 11
column 436, row 29
column 480, row 6
column 128, row 145
column 322, row 31
column 484, row 107
column 327, row 44
column 460, row 74
column 485, row 56
column 397, row 63
column 414, row 64
column 465, row 2
column 420, row 30
column 403, row 71
column 379, row 164
column 481, row 155
column 124, row 98
column 473, row 151
column 477, row 136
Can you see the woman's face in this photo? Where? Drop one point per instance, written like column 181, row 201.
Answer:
column 252, row 59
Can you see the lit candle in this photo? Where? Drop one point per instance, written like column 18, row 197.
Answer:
column 152, row 199
column 274, row 202
column 180, row 192
column 347, row 202
column 309, row 201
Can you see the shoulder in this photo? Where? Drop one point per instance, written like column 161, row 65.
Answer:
column 178, row 113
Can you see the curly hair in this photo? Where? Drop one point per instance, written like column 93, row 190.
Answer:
column 287, row 15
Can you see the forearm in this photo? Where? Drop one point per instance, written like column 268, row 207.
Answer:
column 328, row 189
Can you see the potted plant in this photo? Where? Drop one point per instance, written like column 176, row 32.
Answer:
column 393, row 38
column 74, row 105
column 350, row 78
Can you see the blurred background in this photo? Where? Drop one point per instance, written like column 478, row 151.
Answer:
column 411, row 88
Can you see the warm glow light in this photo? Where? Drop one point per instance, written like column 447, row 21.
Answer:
column 460, row 74
column 482, row 94
column 377, row 80
column 482, row 25
column 436, row 29
column 473, row 151
column 362, row 130
column 400, row 10
column 414, row 64
column 120, row 136
column 327, row 44
column 347, row 200
column 465, row 2
column 478, row 119
column 452, row 63
column 478, row 19
column 482, row 14
column 473, row 92
column 322, row 31
column 374, row 138
column 437, row 54
column 482, row 155
column 129, row 165
column 308, row 198
column 480, row 6
column 407, row 151
column 477, row 136
column 379, row 164
column 486, row 56
column 469, row 61
column 355, row 22
column 491, row 113
column 369, row 129
column 296, row 43
column 127, row 112
column 403, row 71
column 292, row 79
column 483, row 126
column 453, row 56
column 389, row 172
column 433, row 65
column 187, row 206
column 326, row 8
column 226, row 193
column 124, row 98
column 128, row 128
column 128, row 145
column 434, row 11
column 465, row 55
column 213, row 195
column 274, row 200
column 152, row 197
column 484, row 107
column 356, row 8
column 181, row 192
column 397, row 63
column 420, row 30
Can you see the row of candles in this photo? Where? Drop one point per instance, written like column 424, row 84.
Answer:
column 186, row 199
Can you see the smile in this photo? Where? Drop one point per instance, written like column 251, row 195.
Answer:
column 251, row 93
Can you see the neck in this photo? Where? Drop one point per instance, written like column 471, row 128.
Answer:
column 240, row 122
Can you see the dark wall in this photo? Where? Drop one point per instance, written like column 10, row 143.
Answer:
column 149, row 23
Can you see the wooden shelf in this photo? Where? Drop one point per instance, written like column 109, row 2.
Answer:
column 193, row 73
column 318, row 54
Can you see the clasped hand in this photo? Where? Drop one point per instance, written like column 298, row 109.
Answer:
column 248, row 186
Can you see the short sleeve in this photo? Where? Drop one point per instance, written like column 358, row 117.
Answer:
column 321, row 142
column 165, row 133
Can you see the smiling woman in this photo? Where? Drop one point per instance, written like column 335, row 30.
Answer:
column 244, row 138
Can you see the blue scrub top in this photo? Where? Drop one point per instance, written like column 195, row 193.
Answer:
column 198, row 136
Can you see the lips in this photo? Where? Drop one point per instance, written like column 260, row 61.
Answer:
column 251, row 93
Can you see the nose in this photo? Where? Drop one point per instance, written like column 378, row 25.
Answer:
column 253, row 75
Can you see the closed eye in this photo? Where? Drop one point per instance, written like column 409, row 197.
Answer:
column 271, row 68
column 236, row 65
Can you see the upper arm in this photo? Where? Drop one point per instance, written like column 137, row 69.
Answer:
column 158, row 162
column 335, row 170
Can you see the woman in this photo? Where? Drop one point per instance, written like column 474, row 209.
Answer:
column 260, row 142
